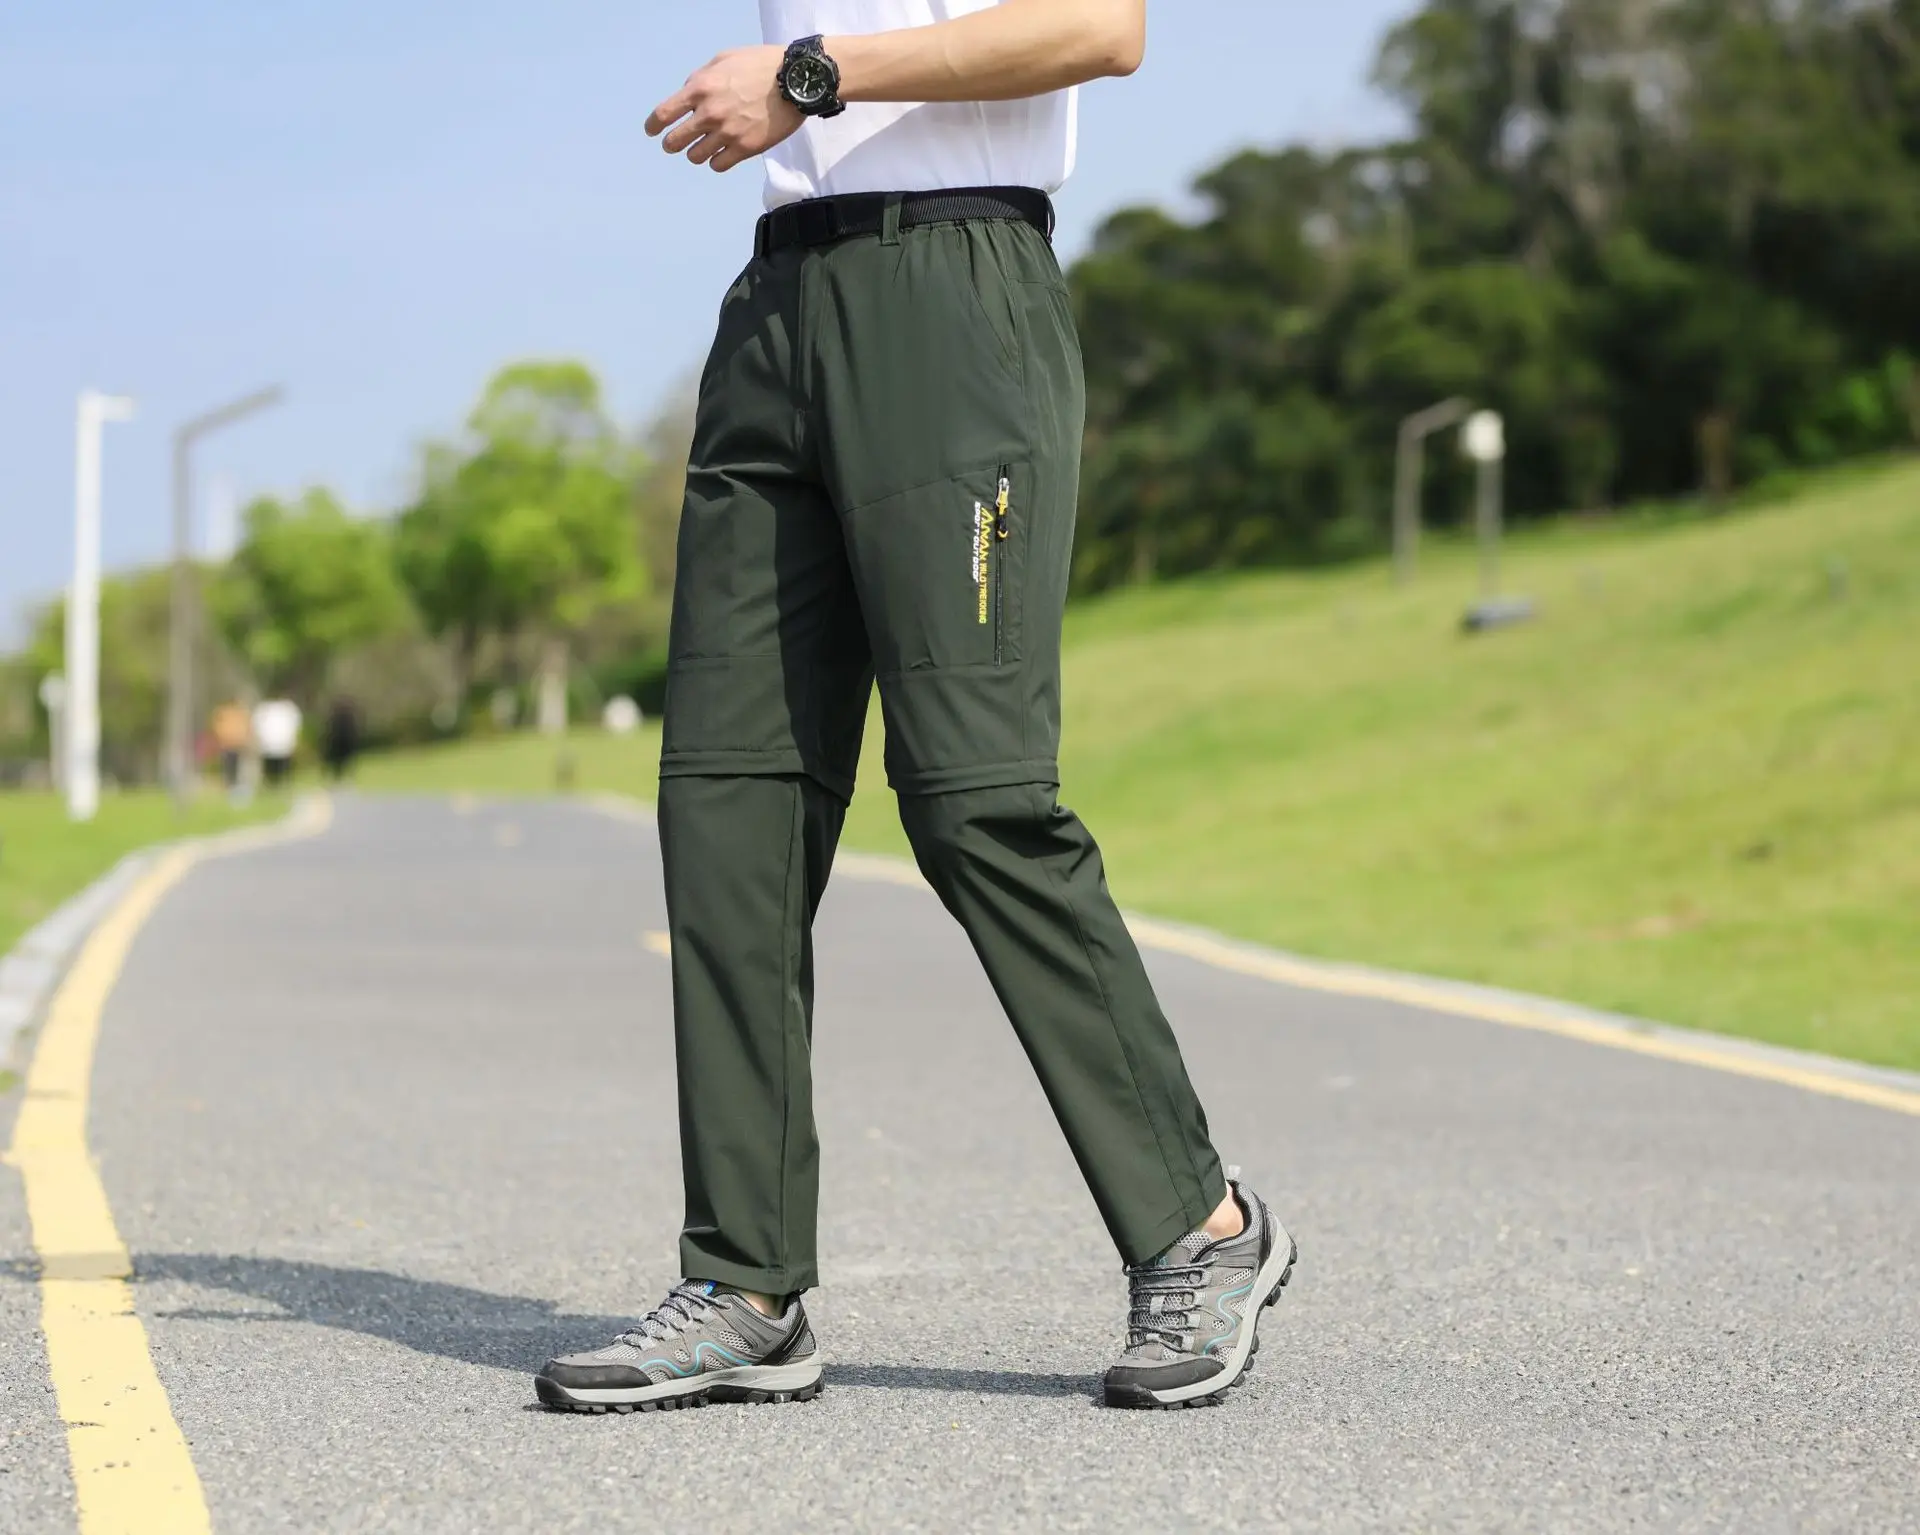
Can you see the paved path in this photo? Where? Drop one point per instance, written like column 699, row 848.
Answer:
column 387, row 1117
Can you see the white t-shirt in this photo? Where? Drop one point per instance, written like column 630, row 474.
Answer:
column 899, row 147
column 276, row 727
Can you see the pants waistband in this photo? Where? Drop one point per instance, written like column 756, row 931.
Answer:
column 824, row 220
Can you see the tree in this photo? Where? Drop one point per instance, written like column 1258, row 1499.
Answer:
column 308, row 583
column 666, row 442
column 524, row 529
column 1673, row 241
column 136, row 611
column 1503, row 337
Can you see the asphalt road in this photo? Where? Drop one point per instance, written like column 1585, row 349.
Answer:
column 387, row 1117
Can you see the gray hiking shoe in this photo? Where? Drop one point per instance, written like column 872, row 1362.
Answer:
column 1194, row 1309
column 703, row 1343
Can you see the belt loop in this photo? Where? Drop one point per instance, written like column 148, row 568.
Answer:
column 763, row 237
column 890, row 220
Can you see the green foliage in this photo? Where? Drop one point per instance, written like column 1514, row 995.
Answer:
column 23, row 737
column 135, row 621
column 308, row 583
column 525, row 528
column 641, row 676
column 1671, row 240
column 527, row 532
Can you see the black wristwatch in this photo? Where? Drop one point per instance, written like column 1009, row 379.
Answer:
column 811, row 80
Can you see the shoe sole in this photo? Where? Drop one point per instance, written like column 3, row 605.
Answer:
column 1205, row 1393
column 757, row 1385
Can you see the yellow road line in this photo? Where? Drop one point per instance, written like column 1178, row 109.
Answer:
column 1515, row 1013
column 1430, row 997
column 131, row 1467
column 1434, row 997
column 132, row 1471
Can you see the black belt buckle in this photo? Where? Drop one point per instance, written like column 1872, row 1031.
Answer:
column 817, row 221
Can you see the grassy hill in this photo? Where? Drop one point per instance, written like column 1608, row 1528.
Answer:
column 1690, row 791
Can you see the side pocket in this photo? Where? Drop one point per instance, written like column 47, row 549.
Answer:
column 990, row 289
column 940, row 570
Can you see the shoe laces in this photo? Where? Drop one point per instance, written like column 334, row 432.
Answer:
column 688, row 1304
column 1162, row 1299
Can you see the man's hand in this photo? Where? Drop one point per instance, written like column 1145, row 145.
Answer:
column 729, row 111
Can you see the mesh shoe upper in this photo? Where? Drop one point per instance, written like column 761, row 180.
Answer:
column 698, row 1328
column 1186, row 1307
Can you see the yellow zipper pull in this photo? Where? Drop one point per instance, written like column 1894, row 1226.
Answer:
column 1000, row 509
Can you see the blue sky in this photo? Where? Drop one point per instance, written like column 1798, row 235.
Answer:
column 376, row 202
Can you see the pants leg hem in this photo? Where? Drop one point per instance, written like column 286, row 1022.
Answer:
column 1157, row 1239
column 745, row 1276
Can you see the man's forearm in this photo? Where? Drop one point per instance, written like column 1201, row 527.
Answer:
column 1016, row 49
column 733, row 109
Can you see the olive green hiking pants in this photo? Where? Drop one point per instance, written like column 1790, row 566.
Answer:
column 882, row 484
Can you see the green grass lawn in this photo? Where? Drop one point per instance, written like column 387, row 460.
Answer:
column 45, row 858
column 1690, row 791
column 518, row 765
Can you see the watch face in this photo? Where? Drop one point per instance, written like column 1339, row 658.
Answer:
column 809, row 80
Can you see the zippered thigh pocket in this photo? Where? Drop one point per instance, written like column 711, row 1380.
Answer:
column 940, row 572
column 992, row 540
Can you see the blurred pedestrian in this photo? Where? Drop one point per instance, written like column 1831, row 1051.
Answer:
column 276, row 731
column 232, row 735
column 340, row 743
column 883, row 480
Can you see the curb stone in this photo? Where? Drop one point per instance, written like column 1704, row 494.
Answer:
column 30, row 971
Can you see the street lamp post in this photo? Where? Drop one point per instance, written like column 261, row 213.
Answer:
column 81, row 700
column 1409, row 469
column 53, row 698
column 1484, row 440
column 181, row 625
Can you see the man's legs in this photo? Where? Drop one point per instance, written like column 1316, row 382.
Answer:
column 949, row 374
column 1022, row 875
column 766, row 695
column 910, row 466
column 948, row 378
column 746, row 862
column 766, row 701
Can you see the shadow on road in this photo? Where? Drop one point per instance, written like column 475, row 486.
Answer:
column 503, row 1332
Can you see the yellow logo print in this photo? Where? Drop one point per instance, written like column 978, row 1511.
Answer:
column 983, row 558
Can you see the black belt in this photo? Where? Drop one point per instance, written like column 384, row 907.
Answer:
column 822, row 220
